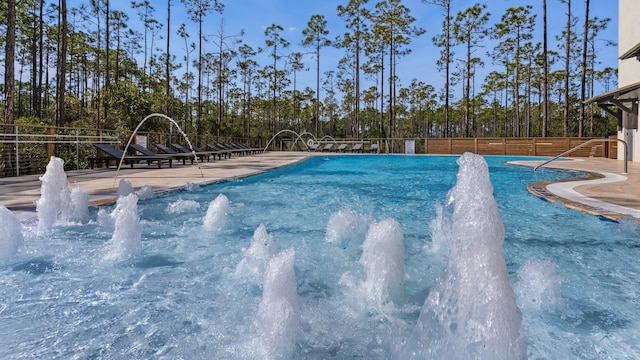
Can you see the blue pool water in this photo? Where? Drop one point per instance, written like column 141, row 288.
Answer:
column 223, row 288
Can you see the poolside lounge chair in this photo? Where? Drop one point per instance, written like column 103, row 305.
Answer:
column 313, row 147
column 200, row 155
column 146, row 152
column 233, row 150
column 328, row 147
column 342, row 147
column 220, row 151
column 240, row 149
column 374, row 148
column 357, row 147
column 199, row 150
column 252, row 150
column 114, row 154
column 177, row 155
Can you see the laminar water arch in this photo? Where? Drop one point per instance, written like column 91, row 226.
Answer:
column 135, row 131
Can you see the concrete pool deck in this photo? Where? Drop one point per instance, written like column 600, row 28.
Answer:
column 607, row 193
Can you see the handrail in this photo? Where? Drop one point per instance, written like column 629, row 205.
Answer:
column 584, row 144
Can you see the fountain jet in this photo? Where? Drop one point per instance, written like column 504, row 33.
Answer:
column 471, row 311
column 279, row 312
column 11, row 238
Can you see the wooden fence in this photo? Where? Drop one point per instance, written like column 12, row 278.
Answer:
column 519, row 146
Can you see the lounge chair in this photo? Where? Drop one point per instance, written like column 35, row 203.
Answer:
column 357, row 147
column 200, row 155
column 313, row 147
column 328, row 147
column 199, row 150
column 144, row 151
column 374, row 148
column 177, row 155
column 220, row 151
column 114, row 154
column 251, row 150
column 342, row 147
column 234, row 149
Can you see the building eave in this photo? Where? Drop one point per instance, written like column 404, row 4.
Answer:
column 634, row 52
column 627, row 93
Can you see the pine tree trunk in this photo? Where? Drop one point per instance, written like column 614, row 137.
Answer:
column 583, row 81
column 61, row 66
column 567, row 62
column 545, row 109
column 167, row 71
column 9, row 75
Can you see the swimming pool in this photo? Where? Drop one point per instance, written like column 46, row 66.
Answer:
column 221, row 288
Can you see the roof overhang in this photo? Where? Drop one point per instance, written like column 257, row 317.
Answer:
column 619, row 101
column 625, row 94
column 634, row 52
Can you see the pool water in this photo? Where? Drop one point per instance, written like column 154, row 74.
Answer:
column 280, row 272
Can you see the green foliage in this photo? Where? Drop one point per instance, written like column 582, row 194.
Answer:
column 240, row 97
column 30, row 120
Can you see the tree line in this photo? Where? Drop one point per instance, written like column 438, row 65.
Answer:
column 88, row 67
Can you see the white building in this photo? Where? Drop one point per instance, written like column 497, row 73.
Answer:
column 622, row 103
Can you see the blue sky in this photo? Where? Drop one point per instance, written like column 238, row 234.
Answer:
column 254, row 16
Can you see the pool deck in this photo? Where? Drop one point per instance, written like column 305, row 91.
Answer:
column 607, row 193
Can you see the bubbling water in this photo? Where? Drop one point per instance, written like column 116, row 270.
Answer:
column 255, row 259
column 471, row 310
column 278, row 316
column 11, row 238
column 538, row 285
column 127, row 235
column 180, row 206
column 347, row 224
column 79, row 204
column 54, row 194
column 57, row 202
column 383, row 261
column 145, row 193
column 217, row 213
column 125, row 188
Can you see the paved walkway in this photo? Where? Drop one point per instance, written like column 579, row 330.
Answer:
column 20, row 193
column 608, row 193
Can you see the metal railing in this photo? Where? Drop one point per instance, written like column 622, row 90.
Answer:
column 585, row 144
column 30, row 146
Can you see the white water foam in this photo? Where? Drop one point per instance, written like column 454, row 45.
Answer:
column 79, row 205
column 57, row 202
column 255, row 259
column 438, row 227
column 347, row 224
column 180, row 206
column 105, row 220
column 145, row 193
column 278, row 315
column 383, row 262
column 217, row 213
column 125, row 188
column 471, row 311
column 54, row 195
column 127, row 235
column 538, row 285
column 11, row 238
